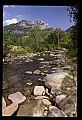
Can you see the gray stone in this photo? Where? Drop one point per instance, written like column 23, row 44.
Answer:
column 55, row 112
column 45, row 113
column 46, row 102
column 29, row 83
column 17, row 97
column 55, row 80
column 37, row 72
column 41, row 97
column 29, row 72
column 3, row 103
column 39, row 90
column 40, row 59
column 9, row 110
column 34, row 108
column 68, row 105
column 60, row 97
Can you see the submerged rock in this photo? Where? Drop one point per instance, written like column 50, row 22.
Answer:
column 37, row 72
column 29, row 72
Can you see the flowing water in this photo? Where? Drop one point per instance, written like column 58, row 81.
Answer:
column 15, row 76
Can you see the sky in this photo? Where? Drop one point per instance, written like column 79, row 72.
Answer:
column 55, row 16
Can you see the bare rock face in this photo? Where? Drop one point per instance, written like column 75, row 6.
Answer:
column 55, row 112
column 9, row 110
column 17, row 98
column 35, row 108
column 3, row 103
column 39, row 90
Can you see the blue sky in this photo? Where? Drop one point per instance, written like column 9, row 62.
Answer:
column 55, row 16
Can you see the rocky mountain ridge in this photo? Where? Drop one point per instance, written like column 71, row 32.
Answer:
column 24, row 26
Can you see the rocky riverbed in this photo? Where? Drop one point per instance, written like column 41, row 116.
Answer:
column 41, row 85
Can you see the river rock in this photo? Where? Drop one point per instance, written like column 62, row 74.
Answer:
column 28, row 60
column 3, row 103
column 17, row 97
column 53, row 81
column 40, row 59
column 67, row 67
column 45, row 113
column 41, row 97
column 46, row 102
column 55, row 112
column 51, row 54
column 60, row 97
column 9, row 110
column 45, row 62
column 29, row 83
column 34, row 108
column 29, row 72
column 68, row 105
column 37, row 72
column 39, row 90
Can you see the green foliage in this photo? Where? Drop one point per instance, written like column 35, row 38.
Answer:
column 73, row 13
column 17, row 52
column 36, row 40
column 58, row 38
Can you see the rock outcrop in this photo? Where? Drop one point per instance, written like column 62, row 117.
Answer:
column 24, row 26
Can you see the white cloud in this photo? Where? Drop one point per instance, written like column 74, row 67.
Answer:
column 6, row 6
column 19, row 16
column 7, row 22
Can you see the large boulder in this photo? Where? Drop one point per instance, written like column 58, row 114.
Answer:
column 68, row 105
column 17, row 97
column 55, row 112
column 34, row 108
column 39, row 90
column 9, row 110
column 53, row 81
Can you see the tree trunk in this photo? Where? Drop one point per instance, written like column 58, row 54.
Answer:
column 58, row 42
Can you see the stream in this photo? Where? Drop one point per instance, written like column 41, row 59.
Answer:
column 15, row 76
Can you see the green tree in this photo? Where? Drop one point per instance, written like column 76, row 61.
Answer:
column 57, row 38
column 73, row 13
column 35, row 34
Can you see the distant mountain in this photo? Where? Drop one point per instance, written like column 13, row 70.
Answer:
column 23, row 27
